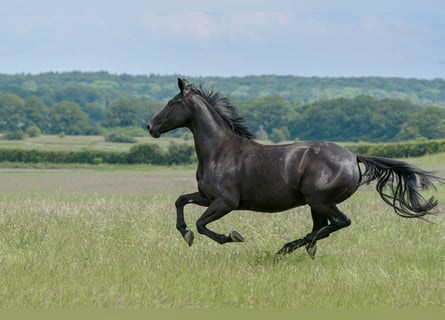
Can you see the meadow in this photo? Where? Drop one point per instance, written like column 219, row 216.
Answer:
column 104, row 236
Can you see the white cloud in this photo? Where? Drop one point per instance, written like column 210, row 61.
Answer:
column 254, row 27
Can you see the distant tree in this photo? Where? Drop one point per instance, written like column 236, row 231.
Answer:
column 67, row 117
column 19, row 114
column 36, row 113
column 387, row 117
column 323, row 120
column 123, row 113
column 127, row 112
column 360, row 118
column 95, row 112
column 78, row 93
column 268, row 112
column 279, row 135
column 428, row 123
column 11, row 113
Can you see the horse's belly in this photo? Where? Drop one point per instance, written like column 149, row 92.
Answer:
column 272, row 203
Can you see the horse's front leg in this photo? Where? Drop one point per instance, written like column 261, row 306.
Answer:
column 217, row 209
column 196, row 198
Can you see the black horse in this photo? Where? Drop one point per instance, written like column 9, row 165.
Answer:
column 236, row 173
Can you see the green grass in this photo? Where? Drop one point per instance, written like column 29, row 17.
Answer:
column 123, row 251
column 107, row 238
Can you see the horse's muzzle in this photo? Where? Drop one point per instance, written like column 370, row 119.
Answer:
column 153, row 133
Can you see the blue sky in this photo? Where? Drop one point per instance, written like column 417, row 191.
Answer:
column 341, row 38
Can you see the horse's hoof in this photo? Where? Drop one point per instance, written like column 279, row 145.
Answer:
column 188, row 237
column 236, row 237
column 311, row 249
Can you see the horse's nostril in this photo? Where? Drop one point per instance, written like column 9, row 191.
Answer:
column 148, row 127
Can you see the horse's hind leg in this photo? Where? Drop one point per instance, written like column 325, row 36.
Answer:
column 337, row 219
column 318, row 221
column 321, row 229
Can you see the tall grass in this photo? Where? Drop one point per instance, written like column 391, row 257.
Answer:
column 75, row 249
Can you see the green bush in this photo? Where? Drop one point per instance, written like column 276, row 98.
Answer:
column 398, row 149
column 62, row 156
column 120, row 137
column 33, row 131
column 146, row 153
column 134, row 131
column 15, row 135
column 178, row 153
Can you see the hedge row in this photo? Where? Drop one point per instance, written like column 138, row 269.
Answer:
column 184, row 153
column 141, row 153
column 398, row 149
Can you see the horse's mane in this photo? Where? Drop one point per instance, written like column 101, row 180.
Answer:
column 226, row 110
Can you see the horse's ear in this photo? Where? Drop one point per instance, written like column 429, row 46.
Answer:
column 183, row 84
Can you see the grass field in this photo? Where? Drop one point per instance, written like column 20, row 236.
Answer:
column 106, row 237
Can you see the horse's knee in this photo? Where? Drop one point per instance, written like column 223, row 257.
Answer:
column 340, row 219
column 340, row 223
column 345, row 222
column 181, row 201
column 200, row 226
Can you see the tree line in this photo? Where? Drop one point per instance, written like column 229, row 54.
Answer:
column 362, row 118
column 92, row 103
column 32, row 116
column 97, row 89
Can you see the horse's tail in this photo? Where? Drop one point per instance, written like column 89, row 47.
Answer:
column 398, row 185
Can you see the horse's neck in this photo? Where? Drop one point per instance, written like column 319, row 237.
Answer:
column 209, row 133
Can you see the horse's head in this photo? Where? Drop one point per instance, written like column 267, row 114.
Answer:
column 175, row 114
